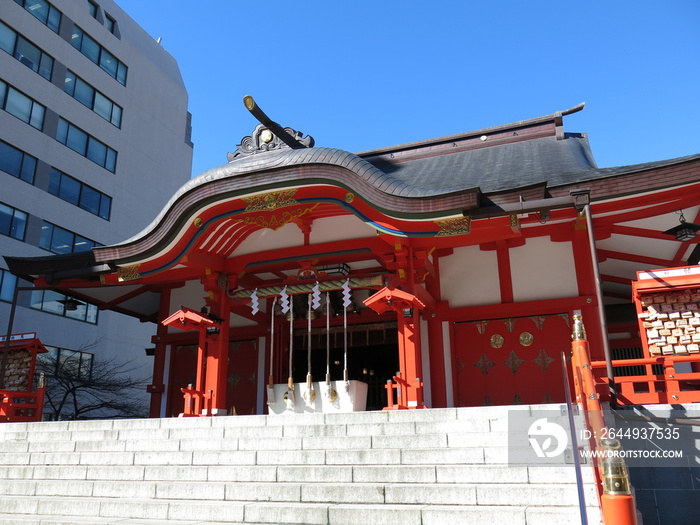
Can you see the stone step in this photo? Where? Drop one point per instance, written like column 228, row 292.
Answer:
column 406, row 473
column 301, row 491
column 117, row 510
column 415, row 467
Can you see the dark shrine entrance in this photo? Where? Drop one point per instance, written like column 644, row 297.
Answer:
column 511, row 361
column 241, row 378
column 372, row 356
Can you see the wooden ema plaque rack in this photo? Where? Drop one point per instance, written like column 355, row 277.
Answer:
column 668, row 309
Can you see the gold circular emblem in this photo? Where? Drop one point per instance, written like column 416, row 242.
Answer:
column 526, row 339
column 349, row 197
column 198, row 222
column 266, row 135
column 497, row 340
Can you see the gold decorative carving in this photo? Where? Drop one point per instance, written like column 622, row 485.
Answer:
column 526, row 338
column 460, row 365
column 543, row 360
column 457, row 226
column 275, row 221
column 484, row 364
column 497, row 340
column 128, row 273
column 349, row 197
column 513, row 362
column 514, row 223
column 197, row 222
column 481, row 326
column 510, row 323
column 270, row 201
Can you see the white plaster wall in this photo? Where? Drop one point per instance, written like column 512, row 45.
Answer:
column 469, row 277
column 287, row 236
column 191, row 295
column 542, row 269
column 339, row 229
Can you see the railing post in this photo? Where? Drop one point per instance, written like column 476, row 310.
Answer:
column 617, row 502
column 673, row 387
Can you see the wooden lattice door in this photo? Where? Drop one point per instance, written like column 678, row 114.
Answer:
column 511, row 361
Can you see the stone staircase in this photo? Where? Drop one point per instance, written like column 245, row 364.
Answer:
column 418, row 467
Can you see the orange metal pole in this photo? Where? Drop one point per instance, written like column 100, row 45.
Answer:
column 616, row 501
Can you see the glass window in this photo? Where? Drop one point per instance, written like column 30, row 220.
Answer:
column 44, row 12
column 111, row 161
column 10, row 159
column 77, row 140
column 81, row 244
column 69, row 83
column 110, row 23
column 28, row 54
column 91, row 316
column 7, row 39
column 46, row 66
column 38, row 8
column 17, row 163
column 105, row 206
column 18, row 105
column 19, row 225
column 23, row 107
column 13, row 222
column 70, row 190
column 46, row 233
column 79, row 314
column 92, row 7
column 54, row 20
column 98, row 55
column 121, row 74
column 90, row 200
column 84, row 93
column 51, row 304
column 8, row 283
column 76, row 37
column 5, row 219
column 96, row 152
column 55, row 182
column 28, row 169
column 103, row 106
column 37, row 118
column 108, row 63
column 61, row 241
column 116, row 116
column 88, row 146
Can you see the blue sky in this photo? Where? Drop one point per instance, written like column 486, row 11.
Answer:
column 359, row 75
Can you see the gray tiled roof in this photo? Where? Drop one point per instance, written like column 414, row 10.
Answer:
column 498, row 168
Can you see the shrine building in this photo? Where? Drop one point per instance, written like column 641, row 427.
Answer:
column 438, row 273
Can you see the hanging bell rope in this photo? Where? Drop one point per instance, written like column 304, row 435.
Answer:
column 309, row 394
column 331, row 393
column 290, row 380
column 346, row 302
column 270, row 378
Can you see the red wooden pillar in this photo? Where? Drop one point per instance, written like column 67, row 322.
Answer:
column 407, row 307
column 217, row 357
column 436, row 342
column 157, row 386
